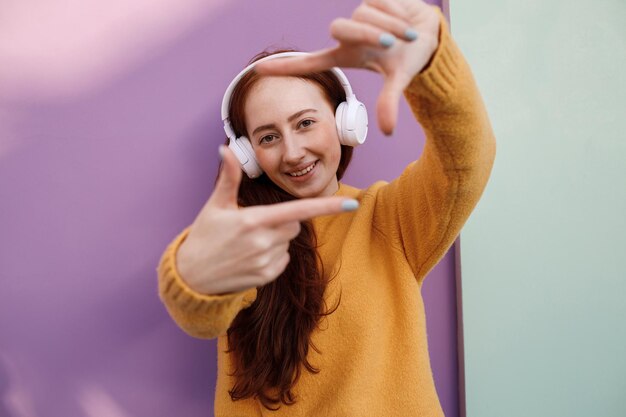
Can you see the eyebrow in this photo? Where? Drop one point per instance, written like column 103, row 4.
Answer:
column 289, row 119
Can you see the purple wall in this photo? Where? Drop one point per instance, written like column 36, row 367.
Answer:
column 93, row 185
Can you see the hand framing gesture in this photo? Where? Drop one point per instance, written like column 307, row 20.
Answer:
column 396, row 38
column 231, row 249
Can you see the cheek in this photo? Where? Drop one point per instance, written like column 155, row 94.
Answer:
column 335, row 149
column 265, row 158
column 336, row 156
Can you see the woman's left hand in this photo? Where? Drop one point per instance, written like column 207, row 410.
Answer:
column 379, row 36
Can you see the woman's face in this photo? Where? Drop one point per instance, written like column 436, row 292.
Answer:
column 291, row 126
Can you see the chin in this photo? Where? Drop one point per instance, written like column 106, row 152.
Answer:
column 304, row 193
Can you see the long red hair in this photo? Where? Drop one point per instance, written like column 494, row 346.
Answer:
column 270, row 340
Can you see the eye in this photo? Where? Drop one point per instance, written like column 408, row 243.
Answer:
column 306, row 123
column 267, row 139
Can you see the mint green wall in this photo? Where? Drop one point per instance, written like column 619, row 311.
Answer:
column 544, row 256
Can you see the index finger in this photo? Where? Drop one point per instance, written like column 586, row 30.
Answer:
column 304, row 209
column 315, row 62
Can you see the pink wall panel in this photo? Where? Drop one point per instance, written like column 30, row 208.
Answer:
column 109, row 127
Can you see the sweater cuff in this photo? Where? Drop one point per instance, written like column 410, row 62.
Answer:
column 439, row 79
column 174, row 291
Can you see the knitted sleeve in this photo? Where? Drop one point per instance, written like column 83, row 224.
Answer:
column 199, row 315
column 428, row 204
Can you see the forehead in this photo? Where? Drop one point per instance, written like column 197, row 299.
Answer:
column 283, row 94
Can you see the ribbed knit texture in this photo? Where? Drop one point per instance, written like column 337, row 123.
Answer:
column 374, row 354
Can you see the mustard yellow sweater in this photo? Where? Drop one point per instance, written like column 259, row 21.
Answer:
column 374, row 354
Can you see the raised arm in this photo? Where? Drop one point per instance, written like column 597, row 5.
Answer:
column 429, row 203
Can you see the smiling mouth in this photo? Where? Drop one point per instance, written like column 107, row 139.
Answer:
column 304, row 171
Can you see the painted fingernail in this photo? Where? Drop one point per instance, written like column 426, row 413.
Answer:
column 349, row 205
column 221, row 150
column 386, row 40
column 410, row 34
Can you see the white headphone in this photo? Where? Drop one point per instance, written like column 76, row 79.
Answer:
column 350, row 118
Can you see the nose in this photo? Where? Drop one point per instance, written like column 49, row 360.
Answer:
column 293, row 150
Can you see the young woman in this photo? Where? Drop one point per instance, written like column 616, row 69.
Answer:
column 324, row 317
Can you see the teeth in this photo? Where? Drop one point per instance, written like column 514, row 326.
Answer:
column 304, row 171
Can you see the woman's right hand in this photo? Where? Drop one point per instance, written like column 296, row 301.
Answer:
column 231, row 249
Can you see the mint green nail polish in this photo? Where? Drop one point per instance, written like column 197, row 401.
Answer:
column 350, row 205
column 386, row 40
column 410, row 34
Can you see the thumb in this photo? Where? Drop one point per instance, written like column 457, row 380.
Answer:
column 387, row 104
column 227, row 185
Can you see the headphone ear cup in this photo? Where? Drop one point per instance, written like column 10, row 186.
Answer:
column 351, row 119
column 339, row 114
column 242, row 148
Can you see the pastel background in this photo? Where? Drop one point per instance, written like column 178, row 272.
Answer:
column 109, row 128
column 543, row 255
